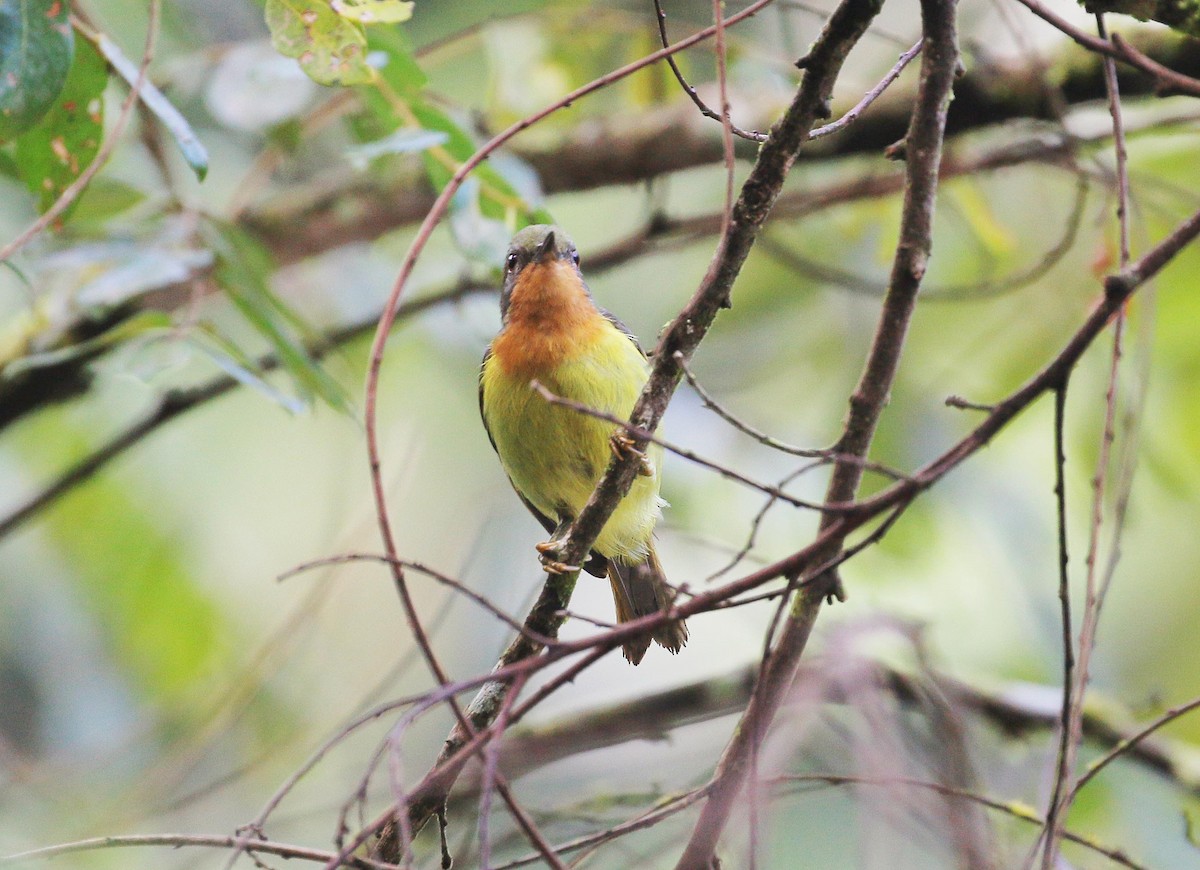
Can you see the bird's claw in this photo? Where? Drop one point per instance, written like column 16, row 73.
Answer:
column 622, row 446
column 547, row 550
column 552, row 567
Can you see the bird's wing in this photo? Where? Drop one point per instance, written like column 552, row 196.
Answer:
column 612, row 318
column 596, row 565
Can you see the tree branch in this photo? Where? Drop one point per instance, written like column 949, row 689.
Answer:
column 1178, row 14
column 653, row 717
column 924, row 143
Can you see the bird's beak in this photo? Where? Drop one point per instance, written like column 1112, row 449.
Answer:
column 546, row 250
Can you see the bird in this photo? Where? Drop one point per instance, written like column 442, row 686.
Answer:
column 552, row 333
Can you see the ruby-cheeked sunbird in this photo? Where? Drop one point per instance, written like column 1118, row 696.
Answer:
column 553, row 333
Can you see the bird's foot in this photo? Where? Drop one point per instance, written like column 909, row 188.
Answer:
column 547, row 553
column 622, row 446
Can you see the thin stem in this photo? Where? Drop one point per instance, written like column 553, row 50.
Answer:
column 1075, row 686
column 752, row 135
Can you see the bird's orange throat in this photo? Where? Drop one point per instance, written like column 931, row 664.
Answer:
column 550, row 318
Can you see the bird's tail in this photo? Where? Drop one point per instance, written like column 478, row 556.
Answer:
column 640, row 590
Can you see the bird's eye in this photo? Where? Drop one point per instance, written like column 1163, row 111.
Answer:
column 511, row 262
column 575, row 256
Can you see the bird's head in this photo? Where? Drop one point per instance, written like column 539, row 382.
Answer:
column 542, row 257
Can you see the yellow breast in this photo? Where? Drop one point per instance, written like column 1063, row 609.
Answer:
column 554, row 455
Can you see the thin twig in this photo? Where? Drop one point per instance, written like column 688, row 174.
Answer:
column 668, row 807
column 1075, row 686
column 421, row 568
column 1013, row 809
column 1130, row 742
column 690, row 455
column 1064, row 757
column 871, row 96
column 718, row 11
column 756, row 524
column 822, row 454
column 178, row 841
column 752, row 135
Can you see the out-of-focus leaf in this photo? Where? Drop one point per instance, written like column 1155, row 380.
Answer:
column 981, row 220
column 36, row 43
column 653, row 85
column 137, row 325
column 403, row 141
column 135, row 269
column 331, row 49
column 498, row 199
column 374, row 11
column 86, row 282
column 52, row 154
column 152, row 98
column 526, row 80
column 287, row 136
column 523, row 178
column 480, row 238
column 398, row 67
column 104, row 198
column 242, row 270
column 8, row 166
column 230, row 359
column 254, row 87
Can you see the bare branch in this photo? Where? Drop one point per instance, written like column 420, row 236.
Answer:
column 177, row 841
column 938, row 67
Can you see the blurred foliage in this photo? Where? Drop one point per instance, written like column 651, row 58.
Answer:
column 36, row 44
column 154, row 677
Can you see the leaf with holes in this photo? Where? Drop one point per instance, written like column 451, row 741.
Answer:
column 374, row 11
column 36, row 42
column 53, row 153
column 331, row 49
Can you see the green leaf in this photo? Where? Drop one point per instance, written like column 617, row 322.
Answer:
column 241, row 271
column 980, row 218
column 36, row 44
column 331, row 49
column 498, row 197
column 153, row 99
column 229, row 358
column 400, row 69
column 8, row 166
column 374, row 11
column 55, row 151
column 104, row 198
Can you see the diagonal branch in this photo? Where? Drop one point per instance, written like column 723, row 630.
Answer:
column 924, row 143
